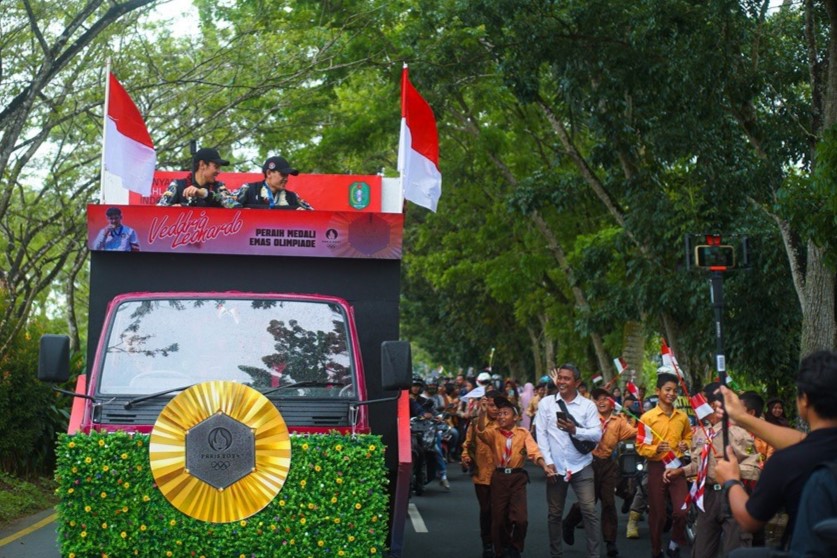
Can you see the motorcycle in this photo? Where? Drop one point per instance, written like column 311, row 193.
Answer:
column 423, row 446
column 634, row 470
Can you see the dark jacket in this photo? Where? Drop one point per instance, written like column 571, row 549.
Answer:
column 258, row 195
column 218, row 195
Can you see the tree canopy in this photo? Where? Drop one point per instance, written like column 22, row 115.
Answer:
column 580, row 143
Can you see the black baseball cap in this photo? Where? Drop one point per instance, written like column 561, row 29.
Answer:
column 279, row 164
column 209, row 155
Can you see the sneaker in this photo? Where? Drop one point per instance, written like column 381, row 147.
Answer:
column 612, row 550
column 445, row 484
column 568, row 532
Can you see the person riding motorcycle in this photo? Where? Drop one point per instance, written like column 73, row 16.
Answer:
column 422, row 406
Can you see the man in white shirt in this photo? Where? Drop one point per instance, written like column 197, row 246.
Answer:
column 573, row 468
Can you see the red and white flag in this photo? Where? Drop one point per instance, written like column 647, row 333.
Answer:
column 598, row 378
column 418, row 150
column 616, row 406
column 701, row 407
column 632, row 389
column 620, row 365
column 129, row 158
column 671, row 461
column 668, row 357
column 644, row 435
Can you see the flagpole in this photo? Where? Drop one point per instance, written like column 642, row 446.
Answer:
column 686, row 391
column 104, row 130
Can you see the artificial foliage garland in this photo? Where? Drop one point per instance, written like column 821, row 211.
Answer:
column 334, row 503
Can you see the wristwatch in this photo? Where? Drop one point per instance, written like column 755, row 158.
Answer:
column 732, row 482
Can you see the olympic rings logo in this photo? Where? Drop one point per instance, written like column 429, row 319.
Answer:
column 220, row 465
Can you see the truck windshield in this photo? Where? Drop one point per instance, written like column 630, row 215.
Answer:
column 159, row 344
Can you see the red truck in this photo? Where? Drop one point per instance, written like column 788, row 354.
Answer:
column 216, row 364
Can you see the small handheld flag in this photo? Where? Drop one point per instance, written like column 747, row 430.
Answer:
column 644, row 434
column 701, row 407
column 620, row 365
column 671, row 461
column 598, row 378
column 632, row 389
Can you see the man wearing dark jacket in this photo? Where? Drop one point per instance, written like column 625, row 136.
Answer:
column 271, row 193
column 201, row 188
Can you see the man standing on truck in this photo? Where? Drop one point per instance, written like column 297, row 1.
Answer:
column 271, row 193
column 201, row 188
column 116, row 237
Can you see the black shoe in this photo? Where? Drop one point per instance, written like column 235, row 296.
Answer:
column 511, row 552
column 673, row 553
column 626, row 505
column 568, row 531
column 487, row 551
column 612, row 550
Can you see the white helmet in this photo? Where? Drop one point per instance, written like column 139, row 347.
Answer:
column 483, row 377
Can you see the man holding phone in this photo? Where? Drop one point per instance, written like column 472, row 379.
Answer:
column 560, row 418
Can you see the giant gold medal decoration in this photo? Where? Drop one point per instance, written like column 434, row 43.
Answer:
column 220, row 451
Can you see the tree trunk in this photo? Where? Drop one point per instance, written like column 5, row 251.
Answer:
column 818, row 320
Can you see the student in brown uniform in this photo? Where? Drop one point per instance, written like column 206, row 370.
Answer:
column 511, row 446
column 606, row 473
column 479, row 458
column 676, row 432
column 715, row 529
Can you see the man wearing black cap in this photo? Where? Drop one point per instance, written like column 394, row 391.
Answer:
column 271, row 193
column 201, row 188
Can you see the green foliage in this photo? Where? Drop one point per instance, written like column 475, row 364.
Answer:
column 333, row 503
column 19, row 498
column 31, row 414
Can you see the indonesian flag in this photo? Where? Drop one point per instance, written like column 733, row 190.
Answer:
column 129, row 157
column 632, row 389
column 668, row 356
column 671, row 461
column 418, row 150
column 598, row 378
column 701, row 407
column 644, row 435
column 620, row 365
column 616, row 406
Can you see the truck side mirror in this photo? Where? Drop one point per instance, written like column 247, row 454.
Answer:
column 54, row 359
column 396, row 365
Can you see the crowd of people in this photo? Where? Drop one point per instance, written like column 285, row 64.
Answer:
column 739, row 476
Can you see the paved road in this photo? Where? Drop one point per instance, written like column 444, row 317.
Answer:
column 452, row 527
column 442, row 524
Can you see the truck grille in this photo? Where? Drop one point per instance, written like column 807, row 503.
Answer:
column 304, row 412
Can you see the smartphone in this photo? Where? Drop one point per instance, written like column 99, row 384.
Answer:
column 561, row 415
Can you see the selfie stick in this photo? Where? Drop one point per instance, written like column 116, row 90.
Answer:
column 716, row 281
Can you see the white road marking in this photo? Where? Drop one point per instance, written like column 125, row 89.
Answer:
column 415, row 518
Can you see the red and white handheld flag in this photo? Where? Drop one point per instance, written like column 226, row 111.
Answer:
column 701, row 407
column 598, row 378
column 128, row 158
column 644, row 435
column 616, row 406
column 671, row 461
column 668, row 357
column 418, row 150
column 620, row 365
column 632, row 389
